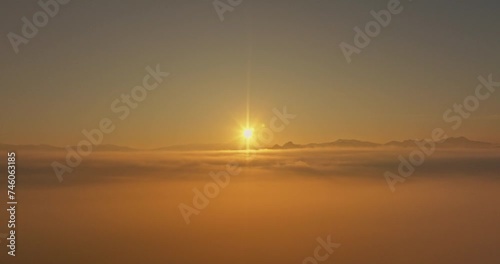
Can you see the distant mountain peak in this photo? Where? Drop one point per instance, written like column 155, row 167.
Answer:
column 290, row 145
column 451, row 142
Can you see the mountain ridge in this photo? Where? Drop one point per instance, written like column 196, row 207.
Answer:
column 452, row 142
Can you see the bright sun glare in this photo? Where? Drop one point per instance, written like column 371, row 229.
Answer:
column 247, row 133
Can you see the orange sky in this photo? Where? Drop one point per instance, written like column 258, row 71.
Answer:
column 425, row 61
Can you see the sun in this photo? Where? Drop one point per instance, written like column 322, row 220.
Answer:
column 248, row 133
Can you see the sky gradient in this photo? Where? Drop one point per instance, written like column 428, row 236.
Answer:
column 271, row 53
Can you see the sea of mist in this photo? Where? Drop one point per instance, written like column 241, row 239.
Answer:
column 123, row 207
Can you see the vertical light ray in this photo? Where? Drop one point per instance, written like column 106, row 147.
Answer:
column 248, row 86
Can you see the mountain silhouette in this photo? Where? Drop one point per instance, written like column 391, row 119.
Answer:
column 452, row 142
